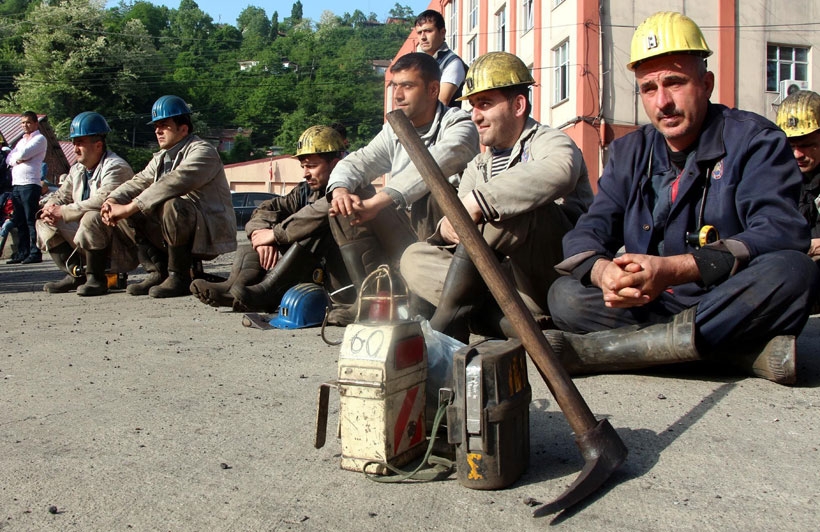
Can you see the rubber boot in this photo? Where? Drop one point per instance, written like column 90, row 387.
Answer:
column 295, row 266
column 154, row 263
column 96, row 283
column 178, row 281
column 775, row 360
column 464, row 291
column 627, row 348
column 68, row 261
column 246, row 270
column 361, row 258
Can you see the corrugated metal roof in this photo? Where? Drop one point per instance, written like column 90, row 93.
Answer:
column 10, row 128
column 68, row 150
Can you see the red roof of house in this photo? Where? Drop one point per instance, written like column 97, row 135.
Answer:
column 68, row 150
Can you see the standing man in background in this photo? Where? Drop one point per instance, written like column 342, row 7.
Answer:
column 431, row 32
column 25, row 161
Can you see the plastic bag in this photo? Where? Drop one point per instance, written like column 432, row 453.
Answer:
column 440, row 350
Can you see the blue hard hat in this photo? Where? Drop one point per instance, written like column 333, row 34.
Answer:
column 168, row 106
column 88, row 123
column 302, row 306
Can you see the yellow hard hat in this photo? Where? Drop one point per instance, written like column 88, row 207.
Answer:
column 495, row 70
column 319, row 139
column 666, row 32
column 799, row 114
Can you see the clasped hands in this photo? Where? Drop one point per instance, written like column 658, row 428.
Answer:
column 633, row 280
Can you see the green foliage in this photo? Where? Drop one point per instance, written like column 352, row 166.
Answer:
column 65, row 57
column 402, row 12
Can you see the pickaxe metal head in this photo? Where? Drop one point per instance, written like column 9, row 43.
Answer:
column 603, row 452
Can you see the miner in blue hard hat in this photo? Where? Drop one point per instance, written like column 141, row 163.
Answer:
column 69, row 225
column 179, row 205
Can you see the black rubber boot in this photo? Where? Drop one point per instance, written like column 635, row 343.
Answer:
column 245, row 271
column 178, row 281
column 294, row 267
column 361, row 258
column 96, row 283
column 68, row 261
column 627, row 348
column 775, row 360
column 464, row 291
column 153, row 262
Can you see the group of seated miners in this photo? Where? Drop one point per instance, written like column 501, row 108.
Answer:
column 694, row 247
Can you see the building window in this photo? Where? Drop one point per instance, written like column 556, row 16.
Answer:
column 501, row 30
column 472, row 50
column 785, row 62
column 556, row 3
column 527, row 14
column 473, row 13
column 452, row 26
column 560, row 73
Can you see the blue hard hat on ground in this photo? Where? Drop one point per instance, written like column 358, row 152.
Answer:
column 168, row 106
column 88, row 123
column 302, row 306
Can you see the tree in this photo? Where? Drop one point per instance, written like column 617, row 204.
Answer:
column 274, row 26
column 72, row 64
column 296, row 12
column 255, row 27
column 402, row 12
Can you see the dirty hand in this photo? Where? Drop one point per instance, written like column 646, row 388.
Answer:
column 448, row 233
column 343, row 202
column 51, row 214
column 633, row 279
column 268, row 256
column 814, row 248
column 262, row 237
column 112, row 212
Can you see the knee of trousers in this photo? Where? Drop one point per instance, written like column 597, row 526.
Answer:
column 424, row 268
column 92, row 233
column 48, row 237
column 792, row 272
column 564, row 301
column 178, row 221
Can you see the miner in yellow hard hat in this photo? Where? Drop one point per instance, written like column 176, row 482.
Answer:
column 799, row 117
column 289, row 237
column 524, row 192
column 703, row 201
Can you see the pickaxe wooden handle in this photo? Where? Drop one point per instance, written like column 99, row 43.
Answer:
column 600, row 445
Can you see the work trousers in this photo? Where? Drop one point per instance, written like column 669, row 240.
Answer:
column 26, row 200
column 391, row 229
column 171, row 224
column 772, row 296
column 530, row 243
column 91, row 234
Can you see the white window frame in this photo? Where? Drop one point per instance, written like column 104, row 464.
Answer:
column 473, row 14
column 556, row 3
column 501, row 29
column 452, row 26
column 528, row 14
column 560, row 73
column 472, row 49
column 784, row 61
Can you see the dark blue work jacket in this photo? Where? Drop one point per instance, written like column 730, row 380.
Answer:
column 752, row 186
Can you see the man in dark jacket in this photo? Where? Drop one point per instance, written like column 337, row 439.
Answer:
column 290, row 237
column 799, row 117
column 704, row 201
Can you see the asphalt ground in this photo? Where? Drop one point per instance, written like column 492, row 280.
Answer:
column 130, row 413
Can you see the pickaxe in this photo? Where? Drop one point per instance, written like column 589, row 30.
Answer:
column 600, row 445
